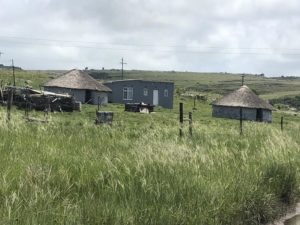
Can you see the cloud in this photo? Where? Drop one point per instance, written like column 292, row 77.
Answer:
column 208, row 35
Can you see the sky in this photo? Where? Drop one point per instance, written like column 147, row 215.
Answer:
column 237, row 36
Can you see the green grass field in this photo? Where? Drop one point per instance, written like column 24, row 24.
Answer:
column 139, row 171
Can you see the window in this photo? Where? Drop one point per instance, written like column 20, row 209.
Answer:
column 145, row 92
column 127, row 93
column 166, row 92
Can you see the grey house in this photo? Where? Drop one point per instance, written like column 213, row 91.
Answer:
column 82, row 86
column 253, row 107
column 134, row 91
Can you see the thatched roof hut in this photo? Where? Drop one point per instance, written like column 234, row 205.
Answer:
column 77, row 79
column 254, row 108
column 82, row 86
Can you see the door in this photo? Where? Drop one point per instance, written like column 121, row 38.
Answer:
column 259, row 115
column 155, row 97
column 88, row 96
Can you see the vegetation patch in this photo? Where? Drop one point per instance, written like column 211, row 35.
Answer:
column 292, row 102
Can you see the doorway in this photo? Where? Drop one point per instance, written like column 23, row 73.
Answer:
column 155, row 97
column 88, row 96
column 259, row 115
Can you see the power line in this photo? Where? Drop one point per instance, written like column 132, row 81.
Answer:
column 147, row 45
column 187, row 50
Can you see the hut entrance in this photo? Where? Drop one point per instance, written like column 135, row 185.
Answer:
column 88, row 96
column 259, row 115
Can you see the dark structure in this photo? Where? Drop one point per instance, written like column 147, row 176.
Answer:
column 253, row 107
column 28, row 98
column 135, row 91
column 81, row 86
column 139, row 107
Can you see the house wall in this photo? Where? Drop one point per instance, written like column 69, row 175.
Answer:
column 79, row 95
column 267, row 115
column 234, row 113
column 103, row 97
column 138, row 92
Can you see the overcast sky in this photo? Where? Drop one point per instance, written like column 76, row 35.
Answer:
column 240, row 36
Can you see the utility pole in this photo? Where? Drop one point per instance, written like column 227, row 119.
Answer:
column 13, row 69
column 123, row 63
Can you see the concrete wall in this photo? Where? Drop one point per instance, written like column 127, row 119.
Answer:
column 267, row 115
column 138, row 92
column 79, row 95
column 234, row 113
column 103, row 97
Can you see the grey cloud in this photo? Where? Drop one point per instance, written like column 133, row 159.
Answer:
column 153, row 27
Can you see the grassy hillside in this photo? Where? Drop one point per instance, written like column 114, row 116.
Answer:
column 139, row 171
column 218, row 83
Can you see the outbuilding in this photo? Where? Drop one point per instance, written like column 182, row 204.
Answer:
column 81, row 86
column 156, row 93
column 253, row 107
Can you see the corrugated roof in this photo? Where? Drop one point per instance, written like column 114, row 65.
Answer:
column 243, row 97
column 77, row 79
column 114, row 81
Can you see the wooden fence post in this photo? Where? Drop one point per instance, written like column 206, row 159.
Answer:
column 195, row 97
column 26, row 108
column 281, row 123
column 241, row 121
column 98, row 103
column 190, row 124
column 180, row 119
column 9, row 103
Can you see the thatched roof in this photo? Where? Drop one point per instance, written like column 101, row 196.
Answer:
column 77, row 79
column 243, row 97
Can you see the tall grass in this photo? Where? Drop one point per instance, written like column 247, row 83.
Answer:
column 140, row 172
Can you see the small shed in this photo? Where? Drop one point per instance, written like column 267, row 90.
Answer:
column 155, row 93
column 253, row 107
column 81, row 86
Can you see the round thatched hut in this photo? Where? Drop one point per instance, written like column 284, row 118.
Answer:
column 253, row 107
column 79, row 84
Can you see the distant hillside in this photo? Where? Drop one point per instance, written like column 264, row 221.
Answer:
column 218, row 83
column 9, row 67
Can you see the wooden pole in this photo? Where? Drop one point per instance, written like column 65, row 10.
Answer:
column 26, row 109
column 1, row 92
column 98, row 103
column 281, row 123
column 180, row 119
column 13, row 69
column 47, row 109
column 26, row 104
column 9, row 103
column 191, row 124
column 195, row 97
column 241, row 121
